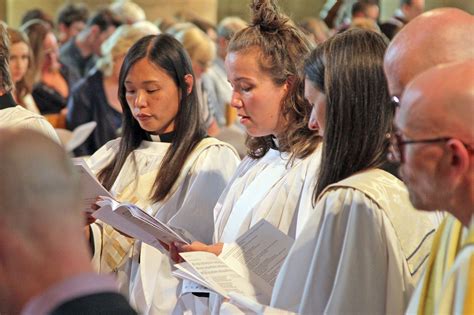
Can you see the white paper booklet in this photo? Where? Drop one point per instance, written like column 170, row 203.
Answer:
column 72, row 139
column 91, row 188
column 133, row 221
column 248, row 267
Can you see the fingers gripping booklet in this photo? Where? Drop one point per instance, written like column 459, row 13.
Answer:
column 125, row 217
column 248, row 267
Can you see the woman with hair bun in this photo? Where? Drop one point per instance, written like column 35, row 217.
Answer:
column 364, row 246
column 264, row 66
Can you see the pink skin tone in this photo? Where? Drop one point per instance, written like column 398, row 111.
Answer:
column 255, row 96
column 317, row 99
column 152, row 96
column 19, row 53
column 257, row 100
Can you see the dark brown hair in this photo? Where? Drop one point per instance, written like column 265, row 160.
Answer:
column 348, row 69
column 167, row 53
column 282, row 48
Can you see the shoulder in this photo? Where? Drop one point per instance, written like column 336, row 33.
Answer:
column 110, row 147
column 20, row 117
column 340, row 199
column 104, row 154
column 214, row 146
column 92, row 81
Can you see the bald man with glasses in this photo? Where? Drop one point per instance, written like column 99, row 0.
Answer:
column 434, row 145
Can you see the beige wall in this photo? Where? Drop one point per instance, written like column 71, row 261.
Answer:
column 212, row 10
column 296, row 9
column 388, row 7
column 154, row 9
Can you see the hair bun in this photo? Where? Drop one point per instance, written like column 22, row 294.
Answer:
column 267, row 16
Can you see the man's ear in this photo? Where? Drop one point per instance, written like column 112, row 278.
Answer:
column 459, row 158
column 188, row 78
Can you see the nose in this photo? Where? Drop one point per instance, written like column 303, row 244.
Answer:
column 140, row 99
column 235, row 101
column 313, row 122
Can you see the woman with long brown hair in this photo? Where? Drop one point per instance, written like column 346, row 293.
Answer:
column 20, row 61
column 50, row 80
column 264, row 65
column 364, row 246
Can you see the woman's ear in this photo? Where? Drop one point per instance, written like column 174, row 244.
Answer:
column 290, row 82
column 188, row 78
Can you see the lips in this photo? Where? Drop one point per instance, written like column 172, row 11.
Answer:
column 143, row 116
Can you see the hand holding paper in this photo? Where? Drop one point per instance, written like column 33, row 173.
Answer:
column 248, row 267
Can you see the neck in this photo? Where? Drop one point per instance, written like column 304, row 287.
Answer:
column 44, row 265
column 463, row 205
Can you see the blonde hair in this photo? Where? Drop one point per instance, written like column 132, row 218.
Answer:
column 129, row 12
column 120, row 42
column 197, row 44
column 229, row 26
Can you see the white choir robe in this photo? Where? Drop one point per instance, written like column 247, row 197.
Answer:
column 360, row 252
column 205, row 174
column 21, row 117
column 269, row 188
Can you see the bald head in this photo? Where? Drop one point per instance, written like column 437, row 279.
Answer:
column 437, row 112
column 440, row 103
column 435, row 37
column 37, row 181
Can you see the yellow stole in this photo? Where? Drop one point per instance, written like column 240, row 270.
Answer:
column 440, row 292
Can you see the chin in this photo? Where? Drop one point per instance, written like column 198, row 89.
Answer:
column 258, row 133
column 420, row 204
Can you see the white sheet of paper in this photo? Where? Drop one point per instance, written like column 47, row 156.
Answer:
column 133, row 221
column 79, row 135
column 259, row 254
column 248, row 267
column 91, row 188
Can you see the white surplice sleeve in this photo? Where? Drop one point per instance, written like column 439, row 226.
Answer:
column 339, row 263
column 155, row 290
column 96, row 162
column 208, row 177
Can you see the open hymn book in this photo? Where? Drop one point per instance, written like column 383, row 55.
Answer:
column 125, row 217
column 248, row 267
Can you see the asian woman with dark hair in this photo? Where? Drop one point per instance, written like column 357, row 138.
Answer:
column 164, row 163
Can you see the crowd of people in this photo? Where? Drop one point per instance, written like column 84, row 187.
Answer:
column 356, row 143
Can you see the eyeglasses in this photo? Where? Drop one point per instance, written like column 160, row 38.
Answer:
column 396, row 151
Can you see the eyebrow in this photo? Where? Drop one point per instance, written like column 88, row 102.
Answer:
column 144, row 82
column 239, row 79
